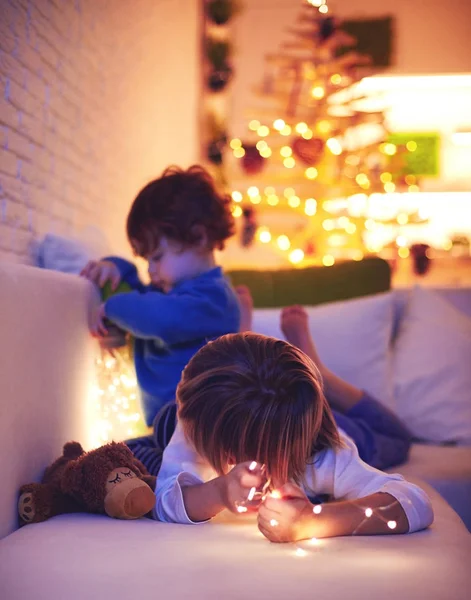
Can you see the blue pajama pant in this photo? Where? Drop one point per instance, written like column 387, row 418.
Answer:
column 381, row 438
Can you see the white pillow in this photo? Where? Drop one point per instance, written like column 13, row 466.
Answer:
column 352, row 338
column 432, row 369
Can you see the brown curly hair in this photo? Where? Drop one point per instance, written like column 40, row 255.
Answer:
column 179, row 205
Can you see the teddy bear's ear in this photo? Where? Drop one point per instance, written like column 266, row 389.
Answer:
column 72, row 477
column 72, row 450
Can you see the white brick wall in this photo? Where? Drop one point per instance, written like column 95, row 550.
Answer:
column 97, row 97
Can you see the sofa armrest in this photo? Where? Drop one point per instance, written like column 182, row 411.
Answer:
column 46, row 374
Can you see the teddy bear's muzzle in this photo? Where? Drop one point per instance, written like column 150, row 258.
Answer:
column 129, row 499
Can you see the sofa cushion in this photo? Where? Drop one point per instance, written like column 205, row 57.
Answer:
column 315, row 285
column 352, row 338
column 75, row 557
column 432, row 374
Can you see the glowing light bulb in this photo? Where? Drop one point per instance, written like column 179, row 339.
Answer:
column 307, row 135
column 411, row 146
column 289, row 192
column 239, row 152
column 296, row 256
column 323, row 126
column 266, row 152
column 368, row 513
column 324, row 9
column 328, row 260
column 388, row 148
column 317, row 509
column 237, row 196
column 254, row 125
column 328, row 224
column 310, row 207
column 286, row 130
column 403, row 252
column 273, row 200
column 279, row 124
column 286, row 151
column 275, row 494
column 294, row 201
column 269, row 190
column 318, row 92
column 401, row 241
column 261, row 145
column 289, row 162
column 336, row 79
column 351, row 228
column 311, row 172
column 251, row 494
column 235, row 143
column 237, row 211
column 385, row 177
column 402, row 218
column 265, row 236
column 334, row 146
column 256, row 199
column 392, row 524
column 241, row 509
column 253, row 191
column 414, row 188
column 274, row 522
column 389, row 187
column 263, row 131
column 283, row 242
column 301, row 127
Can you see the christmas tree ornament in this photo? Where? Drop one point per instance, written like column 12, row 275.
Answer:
column 249, row 226
column 309, row 152
column 252, row 162
column 221, row 11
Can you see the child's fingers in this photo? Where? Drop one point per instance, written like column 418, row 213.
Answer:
column 268, row 513
column 86, row 269
column 115, row 281
column 103, row 277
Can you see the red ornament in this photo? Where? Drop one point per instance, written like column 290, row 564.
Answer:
column 310, row 151
column 252, row 162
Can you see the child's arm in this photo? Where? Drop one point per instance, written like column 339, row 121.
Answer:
column 292, row 517
column 177, row 317
column 188, row 491
column 357, row 487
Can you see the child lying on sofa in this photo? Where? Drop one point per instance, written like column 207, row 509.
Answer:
column 381, row 438
column 252, row 417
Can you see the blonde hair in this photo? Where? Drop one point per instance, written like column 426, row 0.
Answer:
column 250, row 397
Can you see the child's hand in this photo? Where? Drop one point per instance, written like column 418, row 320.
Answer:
column 97, row 322
column 287, row 518
column 102, row 271
column 237, row 486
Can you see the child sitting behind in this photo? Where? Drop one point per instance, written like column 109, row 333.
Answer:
column 247, row 397
column 176, row 222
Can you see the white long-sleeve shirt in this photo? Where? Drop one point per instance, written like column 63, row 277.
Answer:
column 339, row 473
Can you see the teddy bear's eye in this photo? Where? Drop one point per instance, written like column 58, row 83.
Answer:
column 128, row 474
column 117, row 479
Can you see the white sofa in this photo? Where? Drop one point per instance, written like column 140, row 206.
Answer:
column 46, row 371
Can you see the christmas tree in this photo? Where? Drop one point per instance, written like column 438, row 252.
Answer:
column 317, row 148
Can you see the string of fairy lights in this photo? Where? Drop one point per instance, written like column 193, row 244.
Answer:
column 116, row 403
column 368, row 512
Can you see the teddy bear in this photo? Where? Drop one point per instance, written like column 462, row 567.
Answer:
column 108, row 480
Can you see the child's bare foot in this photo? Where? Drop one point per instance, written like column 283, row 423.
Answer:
column 246, row 307
column 294, row 324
